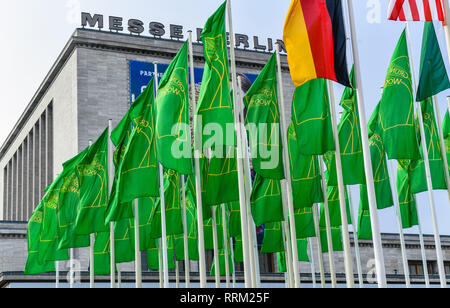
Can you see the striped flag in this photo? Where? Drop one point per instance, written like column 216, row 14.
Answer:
column 416, row 10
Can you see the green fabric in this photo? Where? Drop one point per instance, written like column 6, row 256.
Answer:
column 281, row 261
column 302, row 250
column 364, row 224
column 192, row 235
column 222, row 264
column 173, row 139
column 305, row 174
column 406, row 199
column 34, row 229
column 124, row 241
column 350, row 143
column 396, row 113
column 222, row 179
column 336, row 239
column 69, row 198
column 153, row 256
column 304, row 223
column 312, row 119
column 261, row 102
column 273, row 238
column 172, row 200
column 138, row 172
column 92, row 173
column 334, row 208
column 214, row 103
column 235, row 228
column 433, row 75
column 418, row 176
column 383, row 192
column 266, row 201
column 238, row 253
column 208, row 230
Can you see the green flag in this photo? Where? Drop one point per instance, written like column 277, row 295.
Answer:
column 69, row 198
column 312, row 119
column 138, row 174
column 92, row 173
column 336, row 239
column 266, row 202
column 418, row 176
column 34, row 229
column 222, row 179
column 406, row 199
column 154, row 254
column 235, row 219
column 281, row 262
column 364, row 224
column 396, row 113
column 120, row 136
column 334, row 208
column 263, row 120
column 214, row 103
column 102, row 250
column 305, row 174
column 238, row 252
column 173, row 139
column 273, row 238
column 383, row 192
column 208, row 230
column 222, row 264
column 433, row 75
column 350, row 143
column 304, row 223
column 302, row 250
column 172, row 200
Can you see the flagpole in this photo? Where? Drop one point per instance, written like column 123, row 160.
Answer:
column 422, row 249
column 137, row 251
column 57, row 274
column 437, row 238
column 91, row 251
column 355, row 240
column 313, row 266
column 248, row 184
column 287, row 172
column 111, row 224
column 319, row 244
column 225, row 246
column 442, row 145
column 241, row 183
column 343, row 208
column 162, row 204
column 177, row 274
column 233, row 275
column 216, row 247
column 377, row 246
column 160, row 265
column 327, row 225
column 287, row 244
column 187, row 277
column 400, row 224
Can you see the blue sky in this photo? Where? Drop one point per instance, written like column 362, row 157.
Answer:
column 34, row 32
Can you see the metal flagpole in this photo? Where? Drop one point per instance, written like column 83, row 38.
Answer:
column 242, row 201
column 225, row 246
column 377, row 246
column 216, row 247
column 162, row 204
column 111, row 224
column 313, row 266
column 287, row 244
column 119, row 277
column 91, row 252
column 137, row 251
column 254, row 264
column 160, row 265
column 287, row 172
column 355, row 240
column 185, row 236
column 422, row 250
column 442, row 145
column 343, row 209
column 198, row 187
column 177, row 274
column 57, row 274
column 319, row 244
column 233, row 275
column 328, row 225
column 400, row 224
column 437, row 239
column 71, row 273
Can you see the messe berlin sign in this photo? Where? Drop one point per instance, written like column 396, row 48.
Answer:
column 175, row 32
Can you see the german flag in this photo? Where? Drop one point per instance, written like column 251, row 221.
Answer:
column 314, row 35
